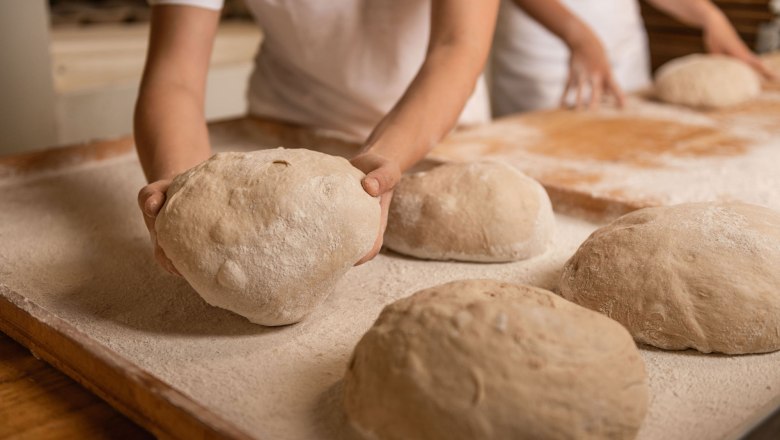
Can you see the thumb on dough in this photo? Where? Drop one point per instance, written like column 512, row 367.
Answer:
column 382, row 179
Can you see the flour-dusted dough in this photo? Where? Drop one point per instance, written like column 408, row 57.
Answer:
column 483, row 359
column 699, row 275
column 706, row 81
column 268, row 234
column 486, row 211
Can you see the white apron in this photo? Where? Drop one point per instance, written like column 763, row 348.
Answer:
column 530, row 65
column 339, row 64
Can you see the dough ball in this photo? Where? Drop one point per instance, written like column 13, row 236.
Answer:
column 483, row 359
column 267, row 234
column 700, row 275
column 706, row 81
column 486, row 211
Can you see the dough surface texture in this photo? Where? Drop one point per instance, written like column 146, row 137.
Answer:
column 483, row 359
column 698, row 275
column 485, row 212
column 709, row 81
column 267, row 234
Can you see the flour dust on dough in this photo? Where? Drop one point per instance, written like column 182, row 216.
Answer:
column 698, row 275
column 484, row 211
column 709, row 81
column 483, row 359
column 268, row 234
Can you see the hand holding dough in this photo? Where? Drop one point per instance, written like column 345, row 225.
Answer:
column 267, row 234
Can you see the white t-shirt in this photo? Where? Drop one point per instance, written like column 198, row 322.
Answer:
column 339, row 64
column 530, row 65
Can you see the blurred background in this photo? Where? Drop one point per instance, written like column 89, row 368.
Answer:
column 71, row 68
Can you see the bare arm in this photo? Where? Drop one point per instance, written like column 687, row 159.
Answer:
column 720, row 37
column 461, row 32
column 170, row 127
column 694, row 13
column 459, row 43
column 588, row 64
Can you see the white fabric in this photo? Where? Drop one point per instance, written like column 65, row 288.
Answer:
column 207, row 4
column 340, row 65
column 530, row 65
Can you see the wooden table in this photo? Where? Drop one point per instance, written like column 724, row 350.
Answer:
column 37, row 401
column 161, row 406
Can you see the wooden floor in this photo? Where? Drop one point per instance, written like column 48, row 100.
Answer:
column 39, row 402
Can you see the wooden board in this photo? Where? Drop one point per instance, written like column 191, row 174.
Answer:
column 137, row 394
column 38, row 401
column 607, row 163
column 140, row 395
column 54, row 159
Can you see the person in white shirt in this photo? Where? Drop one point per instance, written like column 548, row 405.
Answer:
column 559, row 52
column 396, row 74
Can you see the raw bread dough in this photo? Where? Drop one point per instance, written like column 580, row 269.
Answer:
column 483, row 359
column 699, row 275
column 486, row 211
column 268, row 234
column 706, row 81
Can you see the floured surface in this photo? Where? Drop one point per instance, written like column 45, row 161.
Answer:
column 647, row 155
column 74, row 243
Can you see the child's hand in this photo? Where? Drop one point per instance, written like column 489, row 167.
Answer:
column 150, row 199
column 382, row 175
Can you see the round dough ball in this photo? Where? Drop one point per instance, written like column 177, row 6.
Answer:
column 267, row 234
column 706, row 81
column 699, row 275
column 483, row 359
column 487, row 211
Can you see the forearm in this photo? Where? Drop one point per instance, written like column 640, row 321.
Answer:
column 170, row 131
column 458, row 48
column 696, row 13
column 430, row 107
column 170, row 127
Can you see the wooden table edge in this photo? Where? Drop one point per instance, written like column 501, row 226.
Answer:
column 148, row 401
column 55, row 158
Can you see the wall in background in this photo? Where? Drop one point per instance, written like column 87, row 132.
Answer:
column 27, row 116
column 78, row 80
column 97, row 71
